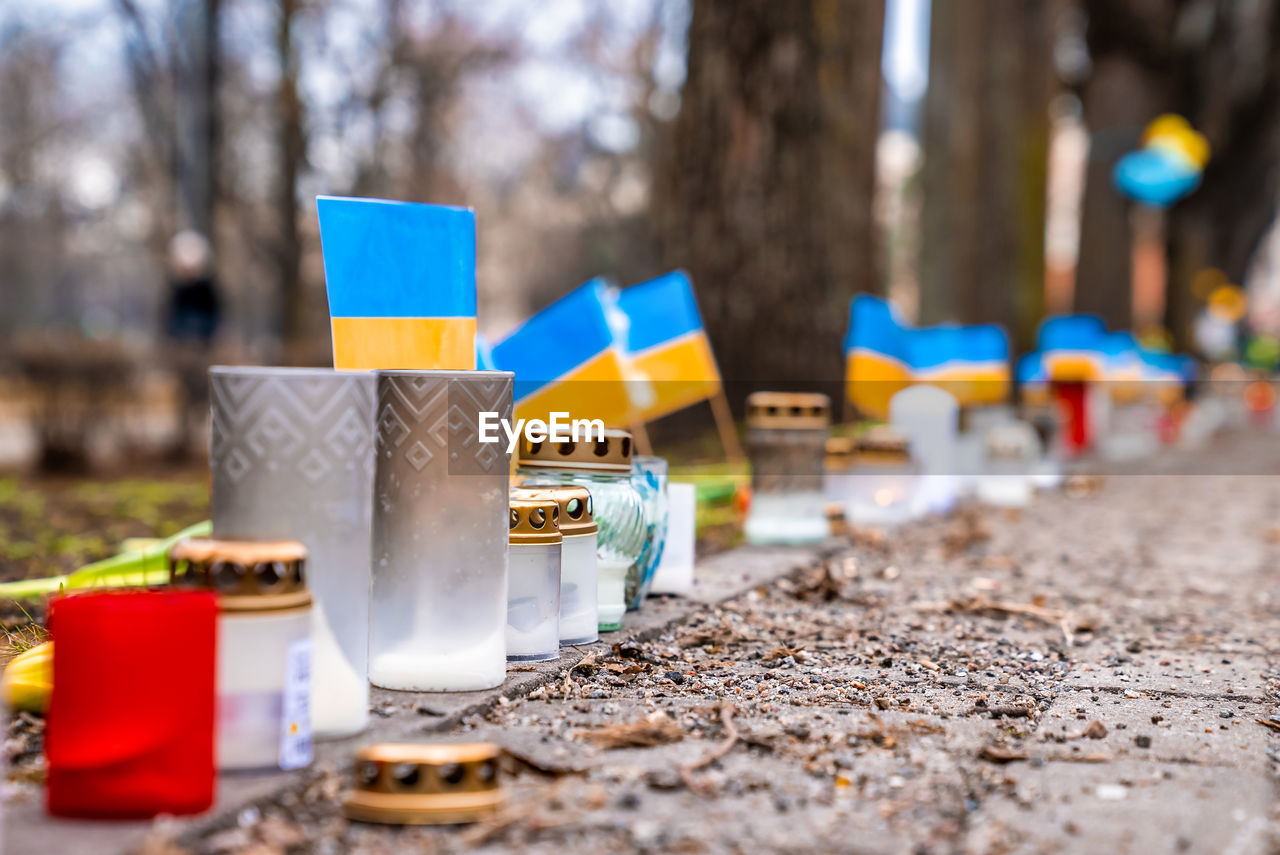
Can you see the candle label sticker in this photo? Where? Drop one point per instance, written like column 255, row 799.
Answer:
column 295, row 723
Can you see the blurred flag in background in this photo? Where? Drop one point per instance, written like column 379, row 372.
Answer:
column 566, row 359
column 661, row 330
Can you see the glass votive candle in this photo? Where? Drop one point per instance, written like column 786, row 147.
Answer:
column 603, row 466
column 410, row 784
column 264, row 647
column 533, row 581
column 837, row 470
column 786, row 441
column 650, row 475
column 291, row 458
column 884, row 481
column 579, row 533
column 1013, row 451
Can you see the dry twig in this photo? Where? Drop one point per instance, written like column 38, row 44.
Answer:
column 731, row 739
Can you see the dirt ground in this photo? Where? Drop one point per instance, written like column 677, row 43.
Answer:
column 1093, row 674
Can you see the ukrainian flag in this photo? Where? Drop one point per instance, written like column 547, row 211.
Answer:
column 666, row 343
column 1033, row 379
column 565, row 360
column 877, row 358
column 401, row 279
column 1168, row 374
column 982, row 364
column 1071, row 346
column 1122, row 366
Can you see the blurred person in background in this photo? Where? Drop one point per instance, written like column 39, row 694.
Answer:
column 192, row 318
column 194, row 311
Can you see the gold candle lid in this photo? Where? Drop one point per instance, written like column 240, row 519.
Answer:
column 612, row 453
column 794, row 410
column 840, row 453
column 402, row 784
column 577, row 511
column 882, row 444
column 534, row 521
column 248, row 576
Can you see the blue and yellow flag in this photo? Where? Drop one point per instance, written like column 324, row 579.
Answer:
column 566, row 360
column 401, row 279
column 884, row 356
column 1071, row 347
column 877, row 355
column 666, row 343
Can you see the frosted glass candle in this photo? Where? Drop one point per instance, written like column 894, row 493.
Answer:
column 1013, row 452
column 291, row 458
column 579, row 606
column 884, row 482
column 533, row 581
column 786, row 439
column 438, row 611
column 675, row 570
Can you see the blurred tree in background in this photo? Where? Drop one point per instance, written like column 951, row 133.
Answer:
column 765, row 193
column 1217, row 63
column 986, row 147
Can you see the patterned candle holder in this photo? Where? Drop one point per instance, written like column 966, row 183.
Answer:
column 439, row 602
column 291, row 458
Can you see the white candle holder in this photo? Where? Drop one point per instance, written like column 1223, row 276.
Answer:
column 439, row 598
column 291, row 458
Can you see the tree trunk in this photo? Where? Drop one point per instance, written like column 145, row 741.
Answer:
column 765, row 189
column 291, row 151
column 1118, row 102
column 986, row 158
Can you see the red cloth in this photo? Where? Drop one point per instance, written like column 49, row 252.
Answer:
column 130, row 725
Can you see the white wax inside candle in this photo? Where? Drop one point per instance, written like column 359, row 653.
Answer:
column 533, row 601
column 428, row 667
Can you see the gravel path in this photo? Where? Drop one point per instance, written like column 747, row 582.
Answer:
column 1088, row 675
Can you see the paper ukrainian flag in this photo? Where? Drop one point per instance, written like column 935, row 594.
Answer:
column 666, row 343
column 566, row 360
column 401, row 279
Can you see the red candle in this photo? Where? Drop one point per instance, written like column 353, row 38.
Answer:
column 129, row 732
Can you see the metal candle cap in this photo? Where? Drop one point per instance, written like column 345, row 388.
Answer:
column 612, row 453
column 248, row 576
column 425, row 784
column 840, row 453
column 883, row 444
column 791, row 410
column 577, row 511
column 535, row 521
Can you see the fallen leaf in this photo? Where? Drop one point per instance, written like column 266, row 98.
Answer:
column 655, row 729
